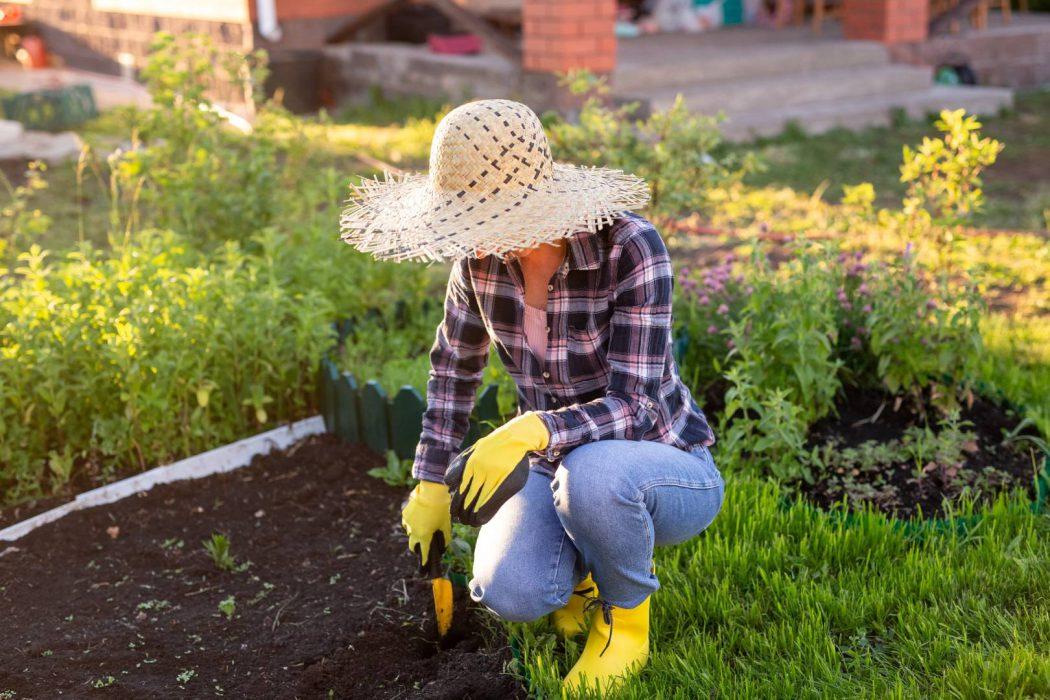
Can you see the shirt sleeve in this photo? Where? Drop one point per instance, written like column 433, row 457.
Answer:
column 458, row 359
column 640, row 329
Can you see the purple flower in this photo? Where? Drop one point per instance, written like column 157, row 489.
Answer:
column 863, row 288
column 730, row 344
column 847, row 306
column 931, row 304
column 723, row 309
column 867, row 308
column 705, row 300
column 689, row 284
column 855, row 343
column 864, row 331
column 712, row 329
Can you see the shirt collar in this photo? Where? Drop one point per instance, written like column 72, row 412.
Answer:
column 585, row 251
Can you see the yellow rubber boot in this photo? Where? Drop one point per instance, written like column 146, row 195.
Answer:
column 572, row 619
column 617, row 646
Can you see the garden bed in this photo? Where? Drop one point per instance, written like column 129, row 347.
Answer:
column 870, row 453
column 322, row 599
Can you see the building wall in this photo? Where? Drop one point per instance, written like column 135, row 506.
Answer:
column 90, row 34
column 1014, row 56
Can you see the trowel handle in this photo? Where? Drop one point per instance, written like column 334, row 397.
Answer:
column 437, row 550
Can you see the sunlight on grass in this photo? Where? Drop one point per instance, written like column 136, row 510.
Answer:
column 787, row 602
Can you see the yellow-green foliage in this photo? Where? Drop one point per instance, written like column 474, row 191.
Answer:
column 129, row 359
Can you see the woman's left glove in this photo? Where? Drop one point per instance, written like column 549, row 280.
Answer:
column 484, row 476
column 427, row 520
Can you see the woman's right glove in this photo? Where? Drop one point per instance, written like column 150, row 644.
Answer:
column 427, row 522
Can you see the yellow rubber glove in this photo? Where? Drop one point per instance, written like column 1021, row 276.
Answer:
column 485, row 475
column 427, row 520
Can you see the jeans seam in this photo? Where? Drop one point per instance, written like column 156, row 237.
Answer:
column 696, row 486
column 557, row 567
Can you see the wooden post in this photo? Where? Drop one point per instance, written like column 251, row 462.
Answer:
column 406, row 421
column 375, row 418
column 347, row 415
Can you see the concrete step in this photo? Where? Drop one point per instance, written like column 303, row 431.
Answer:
column 777, row 92
column 638, row 72
column 820, row 116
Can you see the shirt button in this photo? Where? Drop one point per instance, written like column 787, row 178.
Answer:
column 548, row 329
column 550, row 287
column 546, row 375
column 556, row 453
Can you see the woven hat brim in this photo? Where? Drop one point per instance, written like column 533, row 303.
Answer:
column 404, row 218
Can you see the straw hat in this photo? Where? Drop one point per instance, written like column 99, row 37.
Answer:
column 492, row 188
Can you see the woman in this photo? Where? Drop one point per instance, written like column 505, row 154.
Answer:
column 609, row 453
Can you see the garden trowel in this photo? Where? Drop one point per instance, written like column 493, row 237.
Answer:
column 440, row 586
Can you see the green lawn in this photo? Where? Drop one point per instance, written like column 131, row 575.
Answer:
column 1018, row 186
column 775, row 602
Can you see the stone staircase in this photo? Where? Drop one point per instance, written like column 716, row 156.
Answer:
column 764, row 81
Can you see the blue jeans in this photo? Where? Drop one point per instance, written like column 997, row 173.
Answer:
column 609, row 503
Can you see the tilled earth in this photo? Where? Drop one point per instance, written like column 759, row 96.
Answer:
column 323, row 600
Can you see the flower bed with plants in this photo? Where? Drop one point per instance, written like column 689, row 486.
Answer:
column 853, row 380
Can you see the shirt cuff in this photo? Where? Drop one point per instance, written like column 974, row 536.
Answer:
column 431, row 462
column 557, row 442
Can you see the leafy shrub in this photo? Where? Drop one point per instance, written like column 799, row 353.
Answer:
column 789, row 338
column 677, row 152
column 127, row 359
column 944, row 183
column 187, row 169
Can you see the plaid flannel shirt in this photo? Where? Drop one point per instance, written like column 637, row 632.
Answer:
column 609, row 372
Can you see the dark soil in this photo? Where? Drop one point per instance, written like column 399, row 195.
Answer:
column 123, row 599
column 988, row 465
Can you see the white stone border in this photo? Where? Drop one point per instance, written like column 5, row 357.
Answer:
column 221, row 459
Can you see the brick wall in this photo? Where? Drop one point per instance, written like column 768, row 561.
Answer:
column 886, row 21
column 91, row 39
column 561, row 35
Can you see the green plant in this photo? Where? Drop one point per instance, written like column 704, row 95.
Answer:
column 677, row 152
column 104, row 682
column 785, row 336
column 396, row 472
column 117, row 358
column 924, row 333
column 185, row 676
column 218, row 548
column 943, row 179
column 227, row 606
column 21, row 224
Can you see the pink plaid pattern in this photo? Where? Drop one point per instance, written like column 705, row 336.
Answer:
column 608, row 373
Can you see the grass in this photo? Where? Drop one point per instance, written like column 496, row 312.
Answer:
column 788, row 602
column 1018, row 186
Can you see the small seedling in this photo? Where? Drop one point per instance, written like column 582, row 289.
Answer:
column 397, row 472
column 186, row 676
column 172, row 543
column 227, row 606
column 104, row 682
column 153, row 605
column 218, row 548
